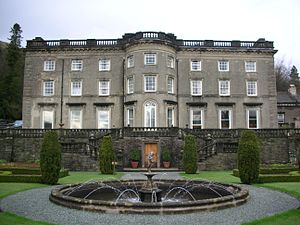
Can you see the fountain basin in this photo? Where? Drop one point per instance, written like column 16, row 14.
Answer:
column 176, row 196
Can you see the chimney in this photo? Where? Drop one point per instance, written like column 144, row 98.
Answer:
column 292, row 90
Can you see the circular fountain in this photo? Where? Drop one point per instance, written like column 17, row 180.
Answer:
column 149, row 197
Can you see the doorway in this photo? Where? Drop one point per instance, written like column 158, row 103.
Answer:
column 151, row 147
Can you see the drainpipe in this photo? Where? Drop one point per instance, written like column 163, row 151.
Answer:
column 123, row 97
column 177, row 98
column 62, row 94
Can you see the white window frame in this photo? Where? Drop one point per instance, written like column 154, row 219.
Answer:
column 170, row 85
column 130, row 85
column 49, row 65
column 146, row 88
column 170, row 61
column 281, row 117
column 130, row 61
column 196, row 65
column 104, row 65
column 230, row 118
column 192, row 125
column 73, row 93
column 130, row 121
column 104, row 90
column 251, row 88
column 46, row 88
column 222, row 90
column 171, row 121
column 106, row 122
column 257, row 114
column 223, row 65
column 250, row 66
column 73, row 121
column 76, row 65
column 150, row 108
column 51, row 114
column 150, row 58
column 196, row 87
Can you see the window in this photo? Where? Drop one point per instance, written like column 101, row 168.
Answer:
column 150, row 83
column 76, row 88
column 250, row 66
column 252, row 118
column 225, row 118
column 47, row 120
column 170, row 117
column 103, row 119
column 150, row 59
column 76, row 65
column 223, row 65
column 170, row 62
column 130, row 61
column 103, row 87
column 75, row 119
column 224, row 87
column 251, row 88
column 48, row 88
column 196, row 119
column 280, row 117
column 49, row 65
column 150, row 114
column 170, row 85
column 196, row 87
column 104, row 64
column 130, row 117
column 195, row 65
column 130, row 85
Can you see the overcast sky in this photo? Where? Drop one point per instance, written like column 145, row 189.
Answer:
column 247, row 20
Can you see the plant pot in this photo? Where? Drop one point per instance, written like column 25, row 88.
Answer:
column 134, row 164
column 166, row 164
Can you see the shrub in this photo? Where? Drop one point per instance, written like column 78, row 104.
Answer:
column 190, row 157
column 135, row 155
column 248, row 157
column 50, row 158
column 166, row 155
column 106, row 156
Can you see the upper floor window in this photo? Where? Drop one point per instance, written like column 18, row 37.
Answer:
column 195, row 65
column 150, row 83
column 252, row 118
column 76, row 88
column 48, row 88
column 196, row 117
column 224, row 87
column 103, row 87
column 223, row 65
column 150, row 59
column 225, row 118
column 170, row 85
column 75, row 119
column 130, row 85
column 130, row 61
column 196, row 87
column 170, row 61
column 251, row 88
column 250, row 66
column 76, row 65
column 104, row 64
column 49, row 65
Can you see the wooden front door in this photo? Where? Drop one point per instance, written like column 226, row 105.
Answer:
column 150, row 147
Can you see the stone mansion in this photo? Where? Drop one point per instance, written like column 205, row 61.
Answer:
column 149, row 79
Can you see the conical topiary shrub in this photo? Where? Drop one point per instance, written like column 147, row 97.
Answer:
column 248, row 157
column 190, row 156
column 106, row 156
column 50, row 158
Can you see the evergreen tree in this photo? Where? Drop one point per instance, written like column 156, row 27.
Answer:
column 294, row 75
column 106, row 156
column 190, row 156
column 12, row 78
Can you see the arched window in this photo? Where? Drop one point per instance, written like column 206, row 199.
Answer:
column 150, row 114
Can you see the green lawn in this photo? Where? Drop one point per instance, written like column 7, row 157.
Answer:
column 12, row 188
column 12, row 219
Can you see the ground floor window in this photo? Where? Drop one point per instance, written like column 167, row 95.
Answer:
column 75, row 119
column 130, row 117
column 150, row 114
column 280, row 117
column 196, row 120
column 253, row 118
column 103, row 119
column 171, row 117
column 225, row 117
column 48, row 120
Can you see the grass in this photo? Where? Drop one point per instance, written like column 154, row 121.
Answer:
column 12, row 188
column 7, row 218
column 292, row 188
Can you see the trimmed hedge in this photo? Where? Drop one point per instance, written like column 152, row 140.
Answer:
column 30, row 171
column 277, row 170
column 278, row 178
column 248, row 157
column 190, row 156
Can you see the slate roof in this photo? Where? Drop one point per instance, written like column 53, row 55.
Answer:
column 286, row 97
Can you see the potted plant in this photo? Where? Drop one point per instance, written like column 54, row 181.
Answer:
column 135, row 157
column 166, row 157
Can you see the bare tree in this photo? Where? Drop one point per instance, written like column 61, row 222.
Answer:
column 282, row 72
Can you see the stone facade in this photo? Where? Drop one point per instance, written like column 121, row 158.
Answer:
column 149, row 79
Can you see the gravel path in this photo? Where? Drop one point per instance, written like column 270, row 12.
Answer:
column 34, row 204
